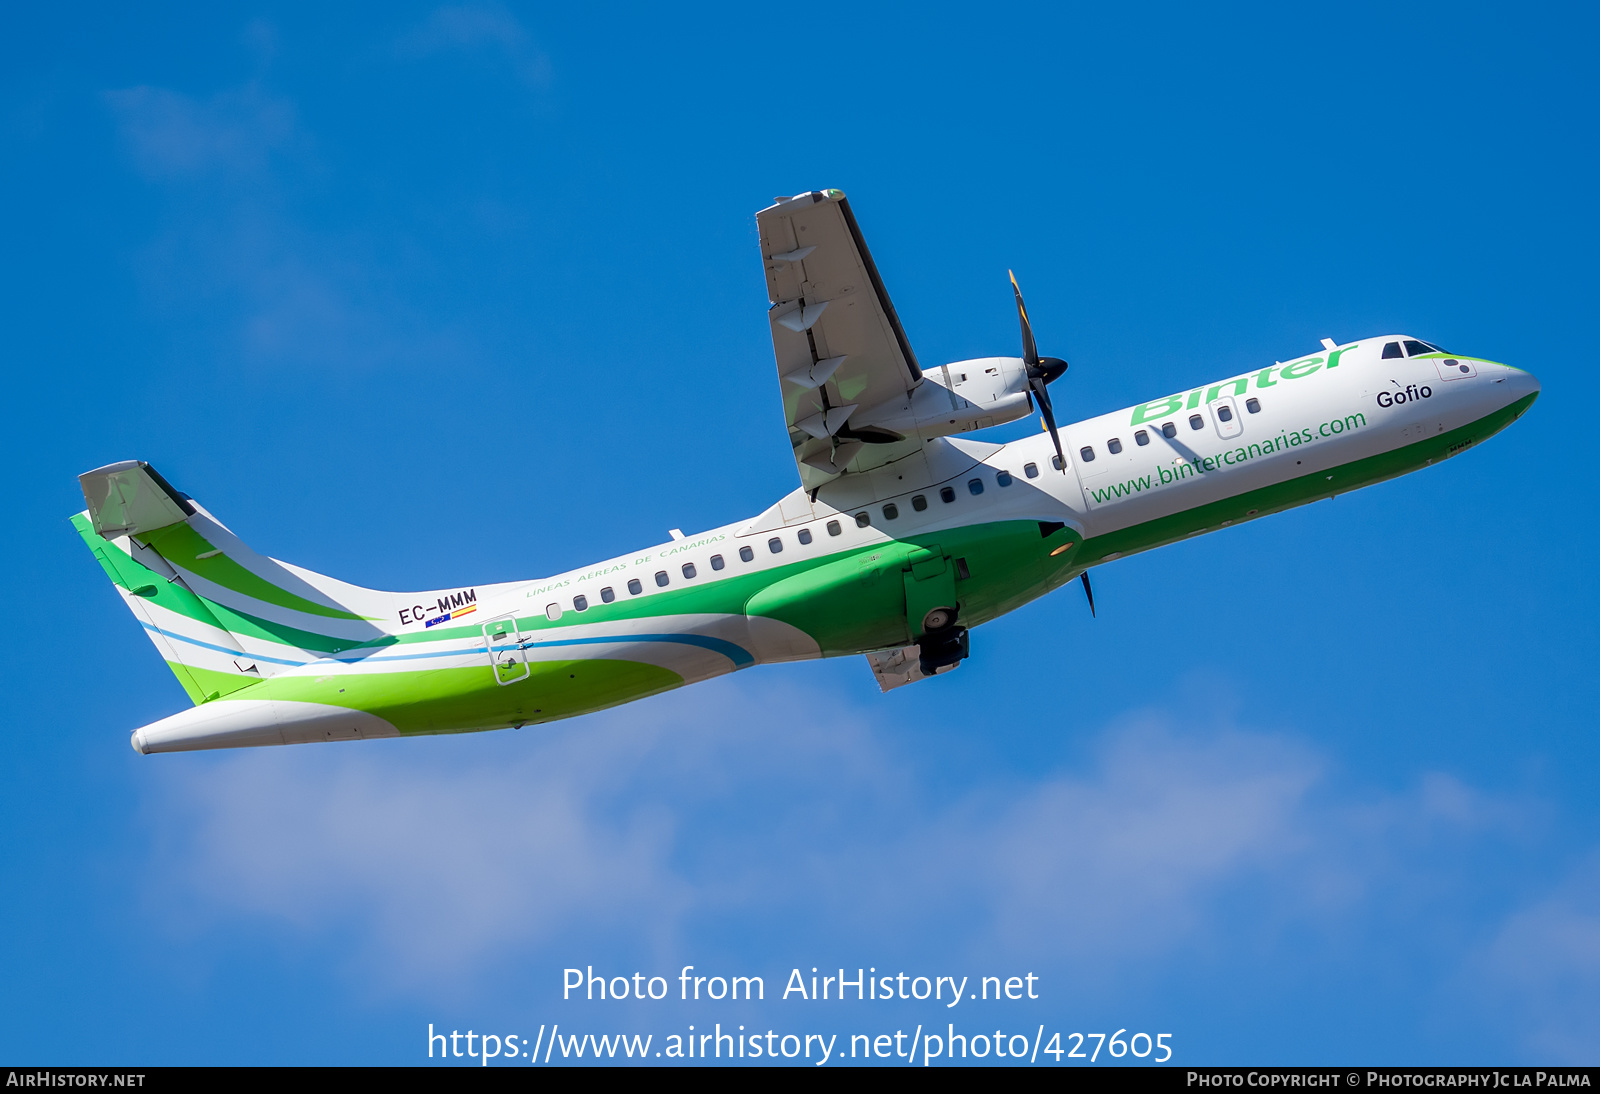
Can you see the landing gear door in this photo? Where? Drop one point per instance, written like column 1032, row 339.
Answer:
column 930, row 592
column 506, row 645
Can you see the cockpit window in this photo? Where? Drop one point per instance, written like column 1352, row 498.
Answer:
column 1392, row 349
column 1415, row 348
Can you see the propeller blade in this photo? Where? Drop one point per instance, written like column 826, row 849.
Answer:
column 1088, row 591
column 1030, row 352
column 1041, row 397
column 1040, row 372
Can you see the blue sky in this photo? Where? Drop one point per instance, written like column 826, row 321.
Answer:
column 421, row 296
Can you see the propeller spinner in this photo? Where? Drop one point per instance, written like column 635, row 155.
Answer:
column 1041, row 370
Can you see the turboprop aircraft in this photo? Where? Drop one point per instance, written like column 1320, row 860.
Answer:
column 903, row 535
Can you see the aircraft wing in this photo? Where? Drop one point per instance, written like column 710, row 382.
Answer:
column 838, row 342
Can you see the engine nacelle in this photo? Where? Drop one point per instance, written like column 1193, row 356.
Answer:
column 955, row 398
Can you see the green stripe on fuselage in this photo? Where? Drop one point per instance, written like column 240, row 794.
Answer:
column 181, row 545
column 130, row 573
column 1301, row 490
column 210, row 684
column 849, row 602
column 463, row 699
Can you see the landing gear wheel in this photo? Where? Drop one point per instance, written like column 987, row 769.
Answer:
column 938, row 619
column 941, row 649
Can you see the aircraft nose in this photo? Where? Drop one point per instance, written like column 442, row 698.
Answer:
column 1521, row 384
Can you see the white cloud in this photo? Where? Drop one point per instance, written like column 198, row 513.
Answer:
column 642, row 827
column 737, row 822
column 478, row 27
column 174, row 136
column 1128, row 853
column 1541, row 972
column 437, row 871
column 234, row 253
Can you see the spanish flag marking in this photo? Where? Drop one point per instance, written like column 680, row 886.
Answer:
column 445, row 618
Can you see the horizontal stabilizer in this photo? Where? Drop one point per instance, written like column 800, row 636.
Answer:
column 131, row 497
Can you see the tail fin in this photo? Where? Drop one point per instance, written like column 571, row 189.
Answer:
column 222, row 616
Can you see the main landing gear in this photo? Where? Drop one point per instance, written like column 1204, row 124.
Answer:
column 943, row 642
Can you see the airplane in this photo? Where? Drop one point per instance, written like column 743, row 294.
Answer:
column 904, row 534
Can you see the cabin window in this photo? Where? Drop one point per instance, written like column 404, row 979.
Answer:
column 1055, row 462
column 1031, row 470
column 717, row 563
column 862, row 519
column 1114, row 445
column 947, row 494
column 607, row 595
column 833, row 528
column 634, row 587
column 775, row 545
column 1415, row 348
column 746, row 554
column 688, row 570
column 1224, row 413
column 804, row 535
column 552, row 612
column 1253, row 405
column 1002, row 478
column 974, row 486
column 1086, row 453
column 891, row 511
column 1169, row 429
column 662, row 578
column 1141, row 438
column 580, row 603
column 919, row 502
column 1196, row 422
column 1391, row 349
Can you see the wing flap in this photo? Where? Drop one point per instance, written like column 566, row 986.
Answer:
column 835, row 334
column 897, row 668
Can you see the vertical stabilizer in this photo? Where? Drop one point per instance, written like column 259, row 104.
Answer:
column 222, row 616
column 203, row 654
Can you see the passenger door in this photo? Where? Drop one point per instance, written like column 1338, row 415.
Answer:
column 506, row 645
column 1225, row 415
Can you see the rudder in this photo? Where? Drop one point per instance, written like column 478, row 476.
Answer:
column 205, row 657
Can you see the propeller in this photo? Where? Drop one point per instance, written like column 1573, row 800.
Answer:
column 1041, row 370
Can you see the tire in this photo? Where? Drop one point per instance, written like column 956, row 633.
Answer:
column 945, row 650
column 938, row 619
